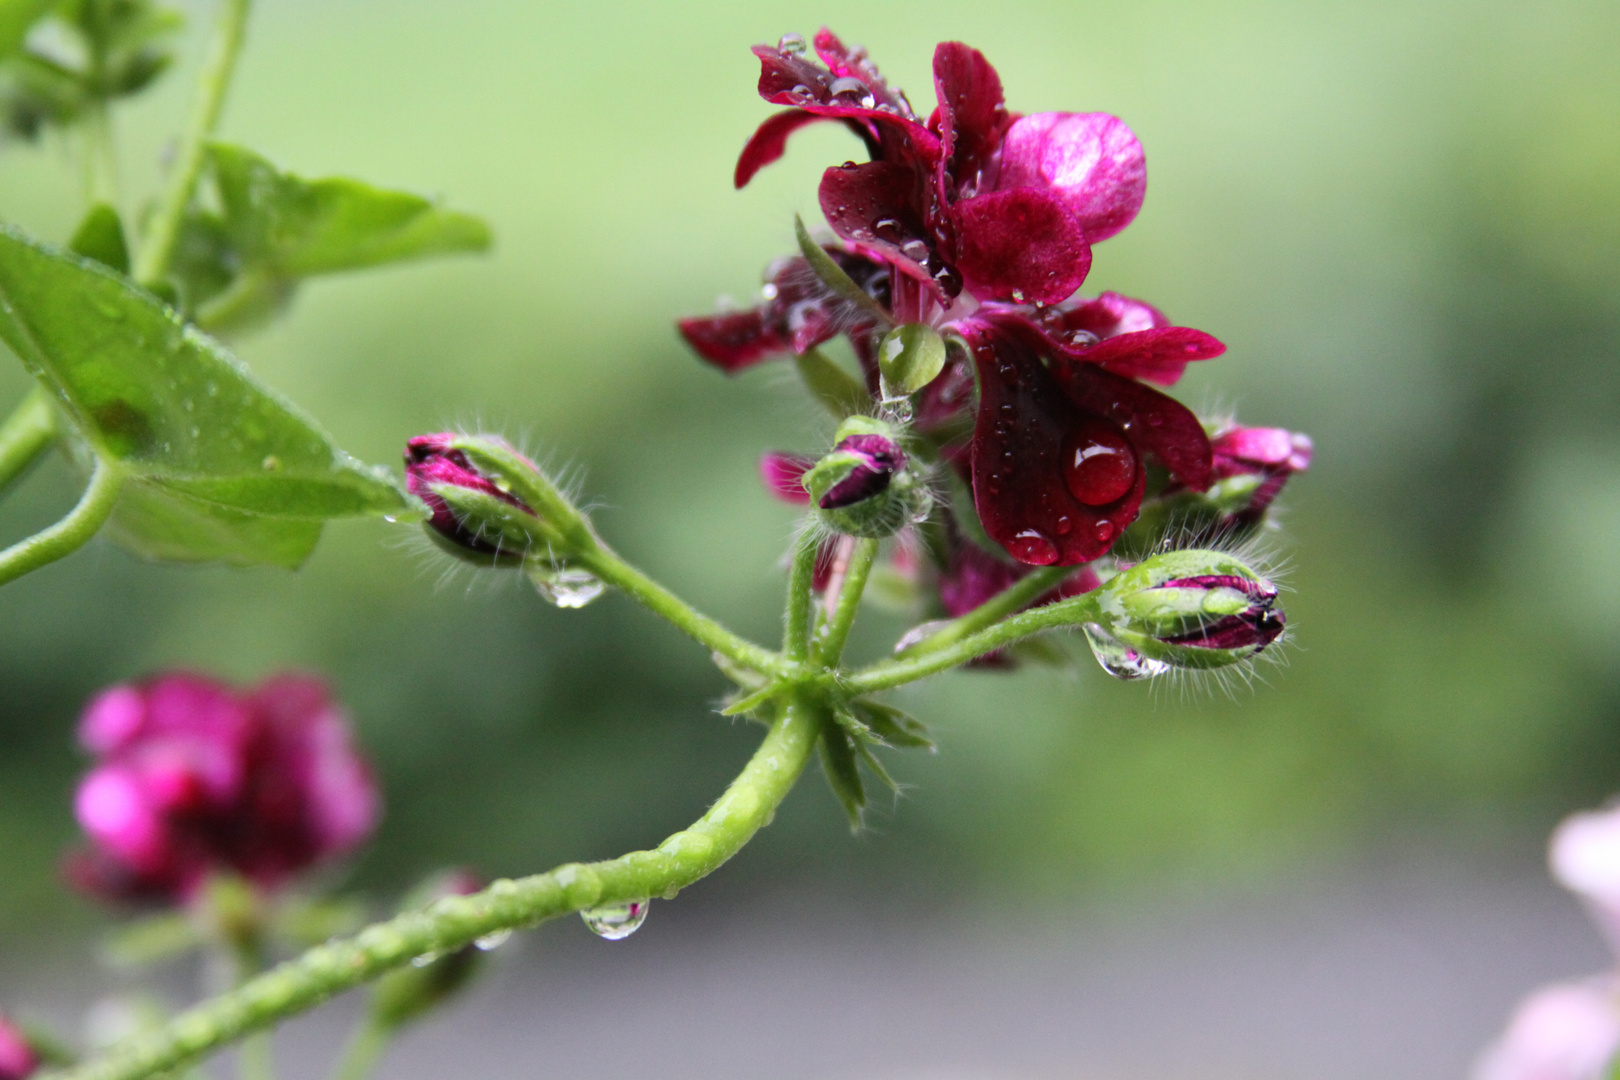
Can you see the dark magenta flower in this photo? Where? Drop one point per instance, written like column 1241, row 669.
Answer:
column 436, row 460
column 194, row 777
column 18, row 1059
column 979, row 223
column 1263, row 457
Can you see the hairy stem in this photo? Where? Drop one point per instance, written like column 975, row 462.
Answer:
column 830, row 647
column 607, row 565
column 891, row 673
column 71, row 533
column 157, row 248
column 801, row 580
column 27, row 433
column 1015, row 596
column 455, row 921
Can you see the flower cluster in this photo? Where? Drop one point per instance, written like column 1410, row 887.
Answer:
column 978, row 223
column 193, row 777
column 1571, row 1031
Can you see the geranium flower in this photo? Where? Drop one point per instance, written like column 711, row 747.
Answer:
column 979, row 223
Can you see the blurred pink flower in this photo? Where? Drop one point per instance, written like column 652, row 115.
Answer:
column 17, row 1057
column 1568, row 1031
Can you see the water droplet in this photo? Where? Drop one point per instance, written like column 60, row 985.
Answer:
column 616, row 921
column 110, row 310
column 887, row 229
column 270, row 463
column 1099, row 466
column 768, row 291
column 425, row 959
column 391, row 519
column 919, row 632
column 847, row 85
column 1018, row 296
column 493, row 941
column 1118, row 659
column 1032, row 546
column 915, row 250
column 792, row 44
column 567, row 587
column 195, row 431
column 800, row 91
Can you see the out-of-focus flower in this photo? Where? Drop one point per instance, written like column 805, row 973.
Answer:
column 194, row 777
column 18, row 1060
column 1252, row 465
column 978, row 223
column 1568, row 1031
column 405, row 994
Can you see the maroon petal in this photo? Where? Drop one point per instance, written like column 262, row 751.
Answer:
column 782, row 473
column 1154, row 422
column 787, row 78
column 735, row 340
column 1020, row 245
column 972, row 116
column 851, row 62
column 1159, row 355
column 769, row 142
column 880, row 205
column 1111, row 314
column 1091, row 162
column 1053, row 484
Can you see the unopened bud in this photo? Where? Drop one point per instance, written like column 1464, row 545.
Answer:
column 863, row 487
column 1189, row 609
column 488, row 503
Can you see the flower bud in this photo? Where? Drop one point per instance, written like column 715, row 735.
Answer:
column 1251, row 467
column 474, row 515
column 1189, row 609
column 18, row 1058
column 863, row 487
column 406, row 993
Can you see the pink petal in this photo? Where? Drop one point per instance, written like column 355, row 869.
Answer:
column 972, row 116
column 113, row 809
column 782, row 473
column 1091, row 162
column 1158, row 356
column 1111, row 314
column 1568, row 1031
column 112, row 719
column 1020, row 245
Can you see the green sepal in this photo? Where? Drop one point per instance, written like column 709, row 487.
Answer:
column 839, row 392
column 890, row 726
column 909, row 358
column 753, row 701
column 156, row 937
column 839, row 761
column 874, row 766
column 100, row 236
column 219, row 466
column 832, row 275
column 512, row 531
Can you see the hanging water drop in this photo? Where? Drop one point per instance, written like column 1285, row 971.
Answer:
column 493, row 941
column 616, row 922
column 1119, row 659
column 425, row 959
column 568, row 587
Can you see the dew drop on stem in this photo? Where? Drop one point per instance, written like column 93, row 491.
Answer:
column 616, row 921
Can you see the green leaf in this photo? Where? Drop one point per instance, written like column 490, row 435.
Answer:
column 910, row 357
column 839, row 392
column 100, row 236
column 17, row 17
column 832, row 275
column 303, row 227
column 220, row 466
column 843, row 772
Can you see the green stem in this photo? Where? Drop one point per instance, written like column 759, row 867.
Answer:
column 453, row 922
column 1013, row 598
column 71, row 533
column 157, row 248
column 801, row 580
column 27, row 433
column 100, row 157
column 370, row 1039
column 256, row 1060
column 892, row 673
column 830, row 649
column 607, row 565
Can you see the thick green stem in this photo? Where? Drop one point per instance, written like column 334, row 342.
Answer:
column 452, row 922
column 830, row 648
column 100, row 157
column 801, row 580
column 256, row 1058
column 1014, row 597
column 365, row 1047
column 27, row 433
column 157, row 248
column 605, row 564
column 71, row 533
column 892, row 673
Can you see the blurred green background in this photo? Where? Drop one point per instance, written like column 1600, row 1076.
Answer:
column 1403, row 219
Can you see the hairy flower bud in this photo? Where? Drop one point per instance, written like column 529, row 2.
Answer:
column 18, row 1058
column 863, row 487
column 1187, row 609
column 474, row 515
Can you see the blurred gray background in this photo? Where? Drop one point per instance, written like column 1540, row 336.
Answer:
column 1402, row 218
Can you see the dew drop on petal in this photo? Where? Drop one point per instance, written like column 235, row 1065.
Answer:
column 915, row 250
column 1099, row 466
column 792, row 44
column 616, row 921
column 1118, row 659
column 1033, row 546
column 847, row 85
